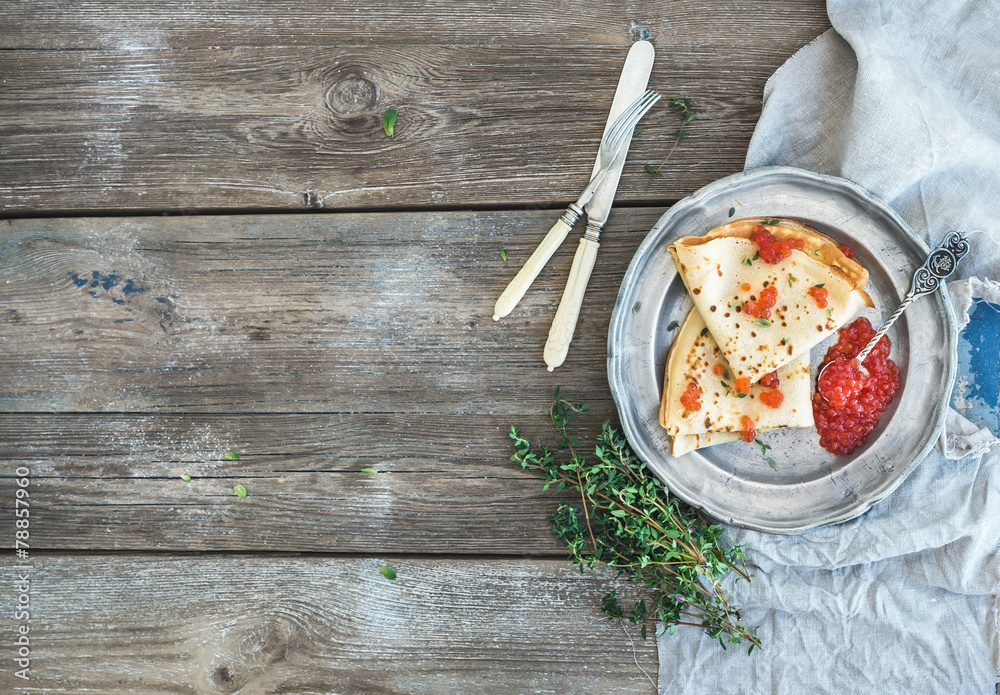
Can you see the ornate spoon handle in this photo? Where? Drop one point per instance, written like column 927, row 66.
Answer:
column 941, row 263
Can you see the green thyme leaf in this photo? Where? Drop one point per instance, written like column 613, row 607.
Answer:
column 756, row 255
column 741, row 395
column 829, row 312
column 747, row 261
column 504, row 255
column 732, row 211
column 369, row 471
column 239, row 490
column 822, row 284
column 763, row 323
column 704, row 332
column 672, row 325
column 231, row 456
column 770, row 222
column 637, row 132
column 387, row 572
column 636, row 307
column 687, row 115
column 389, row 121
column 185, row 477
column 771, row 463
column 784, row 341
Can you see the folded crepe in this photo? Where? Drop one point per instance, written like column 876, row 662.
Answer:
column 695, row 358
column 722, row 271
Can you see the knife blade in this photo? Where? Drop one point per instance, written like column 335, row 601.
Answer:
column 632, row 83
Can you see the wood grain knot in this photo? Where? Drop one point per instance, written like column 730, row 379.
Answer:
column 223, row 679
column 352, row 94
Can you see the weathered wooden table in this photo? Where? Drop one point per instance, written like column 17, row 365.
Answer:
column 211, row 246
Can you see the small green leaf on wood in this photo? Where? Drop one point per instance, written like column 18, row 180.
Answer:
column 231, row 456
column 239, row 490
column 652, row 172
column 504, row 255
column 389, row 121
column 185, row 477
column 369, row 471
column 387, row 572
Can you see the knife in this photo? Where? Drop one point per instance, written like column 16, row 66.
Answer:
column 631, row 84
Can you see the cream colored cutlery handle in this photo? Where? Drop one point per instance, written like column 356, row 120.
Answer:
column 530, row 270
column 568, row 312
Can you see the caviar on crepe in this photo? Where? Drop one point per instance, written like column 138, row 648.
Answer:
column 770, row 249
column 691, row 398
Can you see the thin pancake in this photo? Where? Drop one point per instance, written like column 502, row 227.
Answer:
column 716, row 267
column 693, row 359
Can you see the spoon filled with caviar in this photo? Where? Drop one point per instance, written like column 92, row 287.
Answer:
column 849, row 389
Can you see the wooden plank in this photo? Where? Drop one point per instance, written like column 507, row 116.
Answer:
column 444, row 484
column 105, row 108
column 142, row 624
column 134, row 24
column 355, row 313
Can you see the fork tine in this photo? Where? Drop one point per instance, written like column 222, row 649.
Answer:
column 632, row 115
column 629, row 118
column 629, row 113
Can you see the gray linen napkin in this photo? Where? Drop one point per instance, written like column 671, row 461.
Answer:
column 902, row 97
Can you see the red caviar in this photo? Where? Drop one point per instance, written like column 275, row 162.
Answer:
column 820, row 294
column 770, row 380
column 848, row 403
column 771, row 250
column 717, row 369
column 761, row 308
column 745, row 287
column 749, row 429
column 847, row 250
column 772, row 399
column 691, row 398
column 743, row 385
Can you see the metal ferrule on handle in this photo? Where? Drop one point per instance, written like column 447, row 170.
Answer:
column 533, row 266
column 593, row 231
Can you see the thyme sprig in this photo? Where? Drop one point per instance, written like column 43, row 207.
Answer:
column 687, row 115
column 626, row 519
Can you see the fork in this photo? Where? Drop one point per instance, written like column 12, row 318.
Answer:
column 613, row 144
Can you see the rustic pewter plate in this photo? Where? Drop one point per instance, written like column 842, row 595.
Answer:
column 808, row 487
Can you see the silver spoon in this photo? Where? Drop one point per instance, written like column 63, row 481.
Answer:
column 941, row 263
